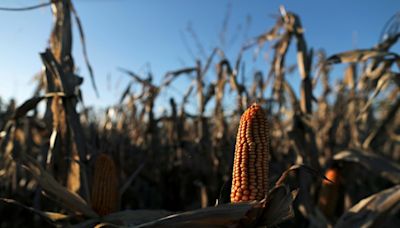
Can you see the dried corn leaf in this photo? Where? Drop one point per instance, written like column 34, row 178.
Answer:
column 383, row 82
column 278, row 206
column 297, row 168
column 171, row 75
column 372, row 211
column 31, row 103
column 130, row 179
column 135, row 76
column 388, row 42
column 126, row 92
column 135, row 217
column 51, row 216
column 276, row 209
column 390, row 115
column 271, row 34
column 67, row 198
column 373, row 162
column 84, row 49
column 221, row 216
column 27, row 106
column 87, row 223
column 359, row 56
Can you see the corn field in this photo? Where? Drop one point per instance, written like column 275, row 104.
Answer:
column 258, row 150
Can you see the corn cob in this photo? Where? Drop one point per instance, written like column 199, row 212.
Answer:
column 329, row 198
column 251, row 161
column 333, row 175
column 105, row 186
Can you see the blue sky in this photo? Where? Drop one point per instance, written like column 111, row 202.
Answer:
column 151, row 34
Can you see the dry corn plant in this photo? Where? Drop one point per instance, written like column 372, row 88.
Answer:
column 211, row 164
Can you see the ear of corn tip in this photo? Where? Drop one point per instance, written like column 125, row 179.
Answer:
column 105, row 186
column 329, row 197
column 333, row 175
column 251, row 161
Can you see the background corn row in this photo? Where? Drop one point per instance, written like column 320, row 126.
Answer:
column 188, row 154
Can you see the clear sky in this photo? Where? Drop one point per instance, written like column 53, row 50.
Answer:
column 153, row 34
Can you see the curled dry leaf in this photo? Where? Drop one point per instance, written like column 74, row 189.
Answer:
column 27, row 106
column 373, row 210
column 372, row 162
column 61, row 194
column 221, row 216
column 359, row 56
column 278, row 206
column 296, row 168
